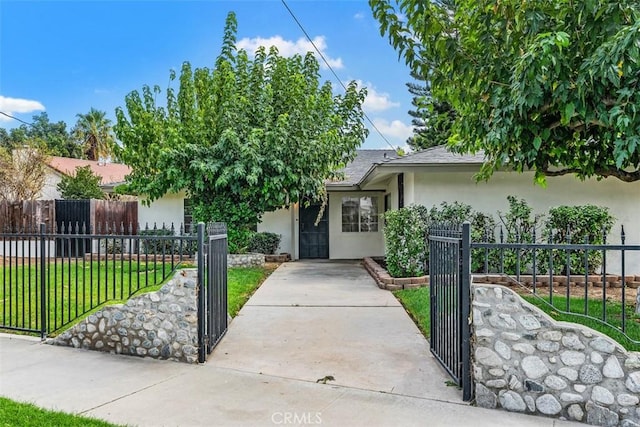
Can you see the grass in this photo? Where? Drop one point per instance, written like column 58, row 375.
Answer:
column 241, row 284
column 594, row 308
column 74, row 289
column 25, row 414
column 416, row 302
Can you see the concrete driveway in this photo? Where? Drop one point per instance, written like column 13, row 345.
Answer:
column 307, row 321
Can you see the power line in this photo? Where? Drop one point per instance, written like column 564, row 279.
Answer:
column 331, row 69
column 15, row 118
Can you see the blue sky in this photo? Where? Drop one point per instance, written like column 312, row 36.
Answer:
column 64, row 57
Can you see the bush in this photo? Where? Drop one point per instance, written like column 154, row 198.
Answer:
column 239, row 239
column 158, row 246
column 520, row 226
column 578, row 224
column 405, row 238
column 264, row 243
column 482, row 226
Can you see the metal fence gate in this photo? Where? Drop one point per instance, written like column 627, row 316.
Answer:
column 450, row 277
column 212, row 298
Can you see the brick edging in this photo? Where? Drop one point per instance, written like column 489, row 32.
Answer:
column 385, row 281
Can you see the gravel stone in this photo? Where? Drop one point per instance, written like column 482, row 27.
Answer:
column 485, row 398
column 487, row 357
column 602, row 396
column 612, row 368
column 512, row 401
column 590, row 374
column 568, row 373
column 572, row 358
column 548, row 404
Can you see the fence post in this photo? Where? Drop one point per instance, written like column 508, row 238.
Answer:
column 465, row 301
column 43, row 282
column 202, row 347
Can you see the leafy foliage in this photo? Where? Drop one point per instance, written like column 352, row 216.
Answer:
column 264, row 243
column 578, row 224
column 22, row 172
column 482, row 226
column 405, row 233
column 93, row 131
column 249, row 136
column 53, row 137
column 548, row 86
column 83, row 185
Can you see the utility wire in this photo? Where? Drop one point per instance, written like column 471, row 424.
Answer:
column 15, row 118
column 332, row 71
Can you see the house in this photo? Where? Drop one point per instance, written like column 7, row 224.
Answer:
column 379, row 180
column 170, row 209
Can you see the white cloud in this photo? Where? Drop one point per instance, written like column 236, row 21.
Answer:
column 376, row 101
column 289, row 48
column 393, row 129
column 12, row 106
column 358, row 16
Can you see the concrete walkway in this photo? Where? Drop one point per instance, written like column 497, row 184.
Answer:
column 307, row 321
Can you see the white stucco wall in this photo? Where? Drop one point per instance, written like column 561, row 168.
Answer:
column 168, row 209
column 281, row 222
column 353, row 245
column 622, row 199
column 50, row 188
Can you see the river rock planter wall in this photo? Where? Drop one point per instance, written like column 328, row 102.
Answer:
column 245, row 260
column 161, row 324
column 524, row 361
column 385, row 281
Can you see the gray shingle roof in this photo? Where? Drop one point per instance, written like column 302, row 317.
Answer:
column 356, row 170
column 436, row 155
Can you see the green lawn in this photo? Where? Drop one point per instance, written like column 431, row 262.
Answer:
column 24, row 414
column 595, row 309
column 241, row 284
column 416, row 302
column 75, row 287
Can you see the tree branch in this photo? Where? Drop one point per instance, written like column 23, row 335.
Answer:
column 622, row 175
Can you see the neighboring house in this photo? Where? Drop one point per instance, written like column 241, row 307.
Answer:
column 170, row 209
column 379, row 180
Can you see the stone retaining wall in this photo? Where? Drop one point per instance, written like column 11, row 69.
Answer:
column 245, row 260
column 161, row 324
column 385, row 281
column 524, row 361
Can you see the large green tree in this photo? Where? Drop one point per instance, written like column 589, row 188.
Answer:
column 55, row 136
column 248, row 136
column 548, row 85
column 94, row 133
column 431, row 120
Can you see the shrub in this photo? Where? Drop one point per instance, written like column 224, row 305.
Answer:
column 157, row 246
column 405, row 238
column 264, row 243
column 482, row 226
column 519, row 225
column 239, row 239
column 578, row 224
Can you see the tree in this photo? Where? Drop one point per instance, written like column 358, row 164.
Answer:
column 83, row 185
column 246, row 137
column 544, row 85
column 93, row 132
column 431, row 120
column 22, row 172
column 57, row 140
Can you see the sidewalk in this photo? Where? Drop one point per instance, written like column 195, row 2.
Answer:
column 309, row 320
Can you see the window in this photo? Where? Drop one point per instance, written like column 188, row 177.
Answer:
column 360, row 214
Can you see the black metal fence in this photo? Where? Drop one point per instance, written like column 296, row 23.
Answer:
column 212, row 301
column 50, row 278
column 449, row 275
column 593, row 281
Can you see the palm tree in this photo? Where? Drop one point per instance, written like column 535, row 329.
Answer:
column 95, row 133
